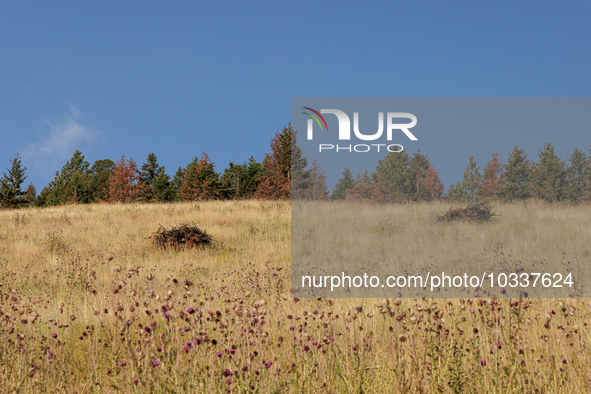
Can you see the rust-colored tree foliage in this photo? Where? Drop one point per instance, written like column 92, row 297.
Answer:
column 275, row 183
column 433, row 185
column 494, row 178
column 123, row 184
column 365, row 190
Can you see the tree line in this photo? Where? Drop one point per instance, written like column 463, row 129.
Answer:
column 285, row 173
column 123, row 181
column 400, row 178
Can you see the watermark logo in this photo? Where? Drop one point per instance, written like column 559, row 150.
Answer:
column 316, row 119
column 392, row 119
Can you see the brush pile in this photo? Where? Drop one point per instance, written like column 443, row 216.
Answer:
column 476, row 212
column 183, row 236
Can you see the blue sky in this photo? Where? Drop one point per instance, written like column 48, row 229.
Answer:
column 179, row 78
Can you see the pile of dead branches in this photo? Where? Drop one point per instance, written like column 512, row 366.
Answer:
column 475, row 212
column 183, row 236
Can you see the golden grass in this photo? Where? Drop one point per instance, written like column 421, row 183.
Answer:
column 230, row 302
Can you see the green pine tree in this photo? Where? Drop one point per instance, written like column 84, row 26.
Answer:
column 201, row 181
column 417, row 172
column 548, row 176
column 517, row 172
column 347, row 182
column 241, row 180
column 454, row 192
column 70, row 185
column 392, row 177
column 11, row 193
column 98, row 179
column 577, row 176
column 155, row 181
column 467, row 190
column 231, row 181
column 252, row 177
column 177, row 182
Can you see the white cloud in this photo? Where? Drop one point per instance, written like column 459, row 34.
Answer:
column 59, row 139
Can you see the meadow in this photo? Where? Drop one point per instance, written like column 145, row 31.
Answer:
column 88, row 304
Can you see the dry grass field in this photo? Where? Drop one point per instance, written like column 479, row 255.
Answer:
column 89, row 305
column 406, row 239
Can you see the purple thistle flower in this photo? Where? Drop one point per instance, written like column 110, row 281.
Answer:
column 306, row 348
column 123, row 363
column 155, row 363
column 159, row 348
column 136, row 381
column 245, row 368
column 191, row 310
column 54, row 335
column 219, row 354
column 227, row 373
column 483, row 362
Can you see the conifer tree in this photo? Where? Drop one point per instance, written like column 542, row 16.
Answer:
column 367, row 190
column 155, row 181
column 123, row 183
column 517, row 173
column 316, row 185
column 200, row 182
column 493, row 180
column 418, row 166
column 432, row 184
column 392, row 177
column 252, row 177
column 424, row 181
column 11, row 193
column 466, row 191
column 231, row 181
column 454, row 192
column 240, row 180
column 31, row 195
column 346, row 183
column 177, row 182
column 284, row 168
column 548, row 175
column 98, row 183
column 577, row 176
column 70, row 185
